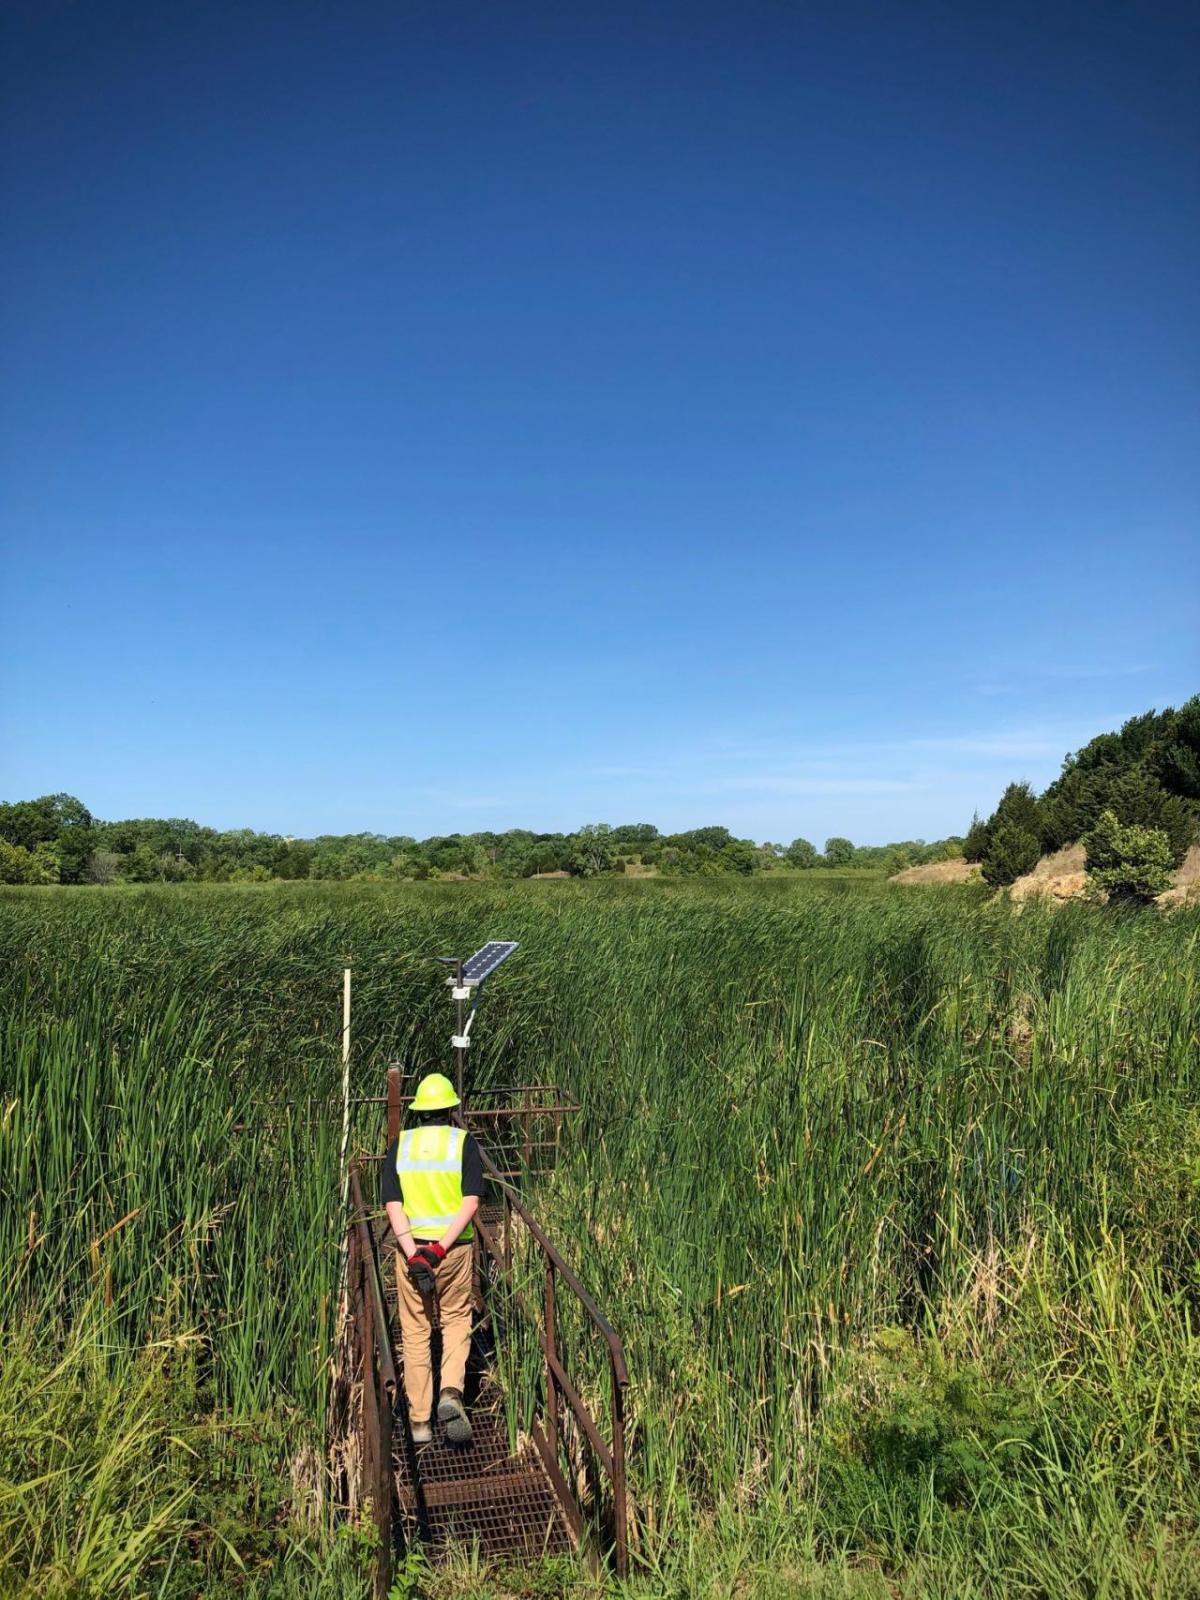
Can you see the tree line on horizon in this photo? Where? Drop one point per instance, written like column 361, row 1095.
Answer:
column 1131, row 797
column 56, row 839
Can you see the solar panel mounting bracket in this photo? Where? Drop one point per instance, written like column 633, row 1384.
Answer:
column 465, row 983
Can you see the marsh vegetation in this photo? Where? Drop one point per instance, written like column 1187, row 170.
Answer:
column 892, row 1194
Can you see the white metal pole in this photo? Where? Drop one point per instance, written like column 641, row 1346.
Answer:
column 344, row 1219
column 345, row 1090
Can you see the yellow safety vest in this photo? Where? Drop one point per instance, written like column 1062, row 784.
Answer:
column 429, row 1166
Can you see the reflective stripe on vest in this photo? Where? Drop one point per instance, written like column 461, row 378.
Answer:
column 429, row 1166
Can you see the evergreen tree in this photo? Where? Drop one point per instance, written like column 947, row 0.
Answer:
column 1012, row 851
column 1175, row 760
column 976, row 842
column 1070, row 806
column 1018, row 808
column 1137, row 799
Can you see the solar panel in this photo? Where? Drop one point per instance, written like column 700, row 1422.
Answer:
column 484, row 962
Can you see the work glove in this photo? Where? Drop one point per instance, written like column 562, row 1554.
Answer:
column 420, row 1273
column 422, row 1265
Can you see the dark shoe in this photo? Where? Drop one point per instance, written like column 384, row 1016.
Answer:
column 453, row 1413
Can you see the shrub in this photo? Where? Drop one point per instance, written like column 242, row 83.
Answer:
column 1133, row 864
column 738, row 856
column 260, row 874
column 976, row 842
column 1137, row 799
column 15, row 863
column 1012, row 851
column 102, row 866
column 908, row 1425
column 1153, row 1190
column 19, row 865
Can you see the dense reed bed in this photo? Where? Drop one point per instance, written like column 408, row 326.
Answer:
column 892, row 1194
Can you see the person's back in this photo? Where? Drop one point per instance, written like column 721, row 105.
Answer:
column 431, row 1188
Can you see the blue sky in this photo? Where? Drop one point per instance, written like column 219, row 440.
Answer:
column 426, row 416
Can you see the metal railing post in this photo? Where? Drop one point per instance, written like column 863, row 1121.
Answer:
column 370, row 1394
column 378, row 1386
column 551, row 1354
column 383, row 1488
column 393, row 1104
column 557, row 1437
column 351, row 1267
column 349, row 1308
column 620, row 1511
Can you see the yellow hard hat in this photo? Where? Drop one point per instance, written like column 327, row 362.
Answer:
column 434, row 1093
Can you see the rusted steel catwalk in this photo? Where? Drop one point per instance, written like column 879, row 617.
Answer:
column 506, row 1504
column 481, row 1495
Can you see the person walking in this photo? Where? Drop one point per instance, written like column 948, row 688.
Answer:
column 432, row 1185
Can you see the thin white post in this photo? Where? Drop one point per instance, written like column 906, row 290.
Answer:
column 343, row 1162
column 345, row 1089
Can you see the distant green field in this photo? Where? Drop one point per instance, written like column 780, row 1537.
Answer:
column 891, row 1193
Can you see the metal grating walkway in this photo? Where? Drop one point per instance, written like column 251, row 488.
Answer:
column 480, row 1496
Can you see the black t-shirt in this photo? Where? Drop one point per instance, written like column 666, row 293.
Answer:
column 472, row 1171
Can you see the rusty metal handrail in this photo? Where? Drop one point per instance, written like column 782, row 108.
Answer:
column 383, row 1099
column 611, row 1337
column 523, row 1115
column 379, row 1386
column 515, row 1113
column 383, row 1345
column 611, row 1457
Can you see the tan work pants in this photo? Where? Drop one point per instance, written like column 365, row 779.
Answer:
column 452, row 1294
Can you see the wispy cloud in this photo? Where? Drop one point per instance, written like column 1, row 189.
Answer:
column 769, row 776
column 1003, row 746
column 618, row 772
column 848, row 759
column 1132, row 669
column 786, row 783
column 461, row 799
column 1022, row 680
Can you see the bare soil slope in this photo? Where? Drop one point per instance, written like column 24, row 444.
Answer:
column 1186, row 888
column 955, row 870
column 1061, row 876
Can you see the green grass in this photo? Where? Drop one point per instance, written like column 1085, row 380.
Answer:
column 892, row 1194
